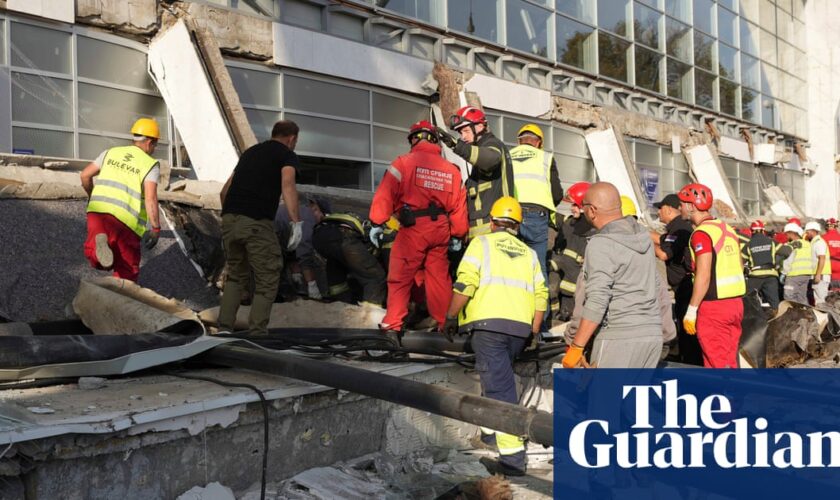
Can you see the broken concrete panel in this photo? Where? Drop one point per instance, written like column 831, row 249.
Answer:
column 130, row 16
column 780, row 203
column 513, row 97
column 213, row 491
column 199, row 231
column 112, row 305
column 612, row 164
column 47, row 162
column 449, row 86
column 39, row 183
column 706, row 168
column 307, row 313
column 57, row 10
column 765, row 153
column 203, row 194
column 177, row 69
column 235, row 33
column 739, row 150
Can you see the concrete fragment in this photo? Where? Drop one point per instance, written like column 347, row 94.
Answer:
column 39, row 183
column 40, row 410
column 91, row 383
column 706, row 167
column 213, row 491
column 307, row 313
column 613, row 164
column 329, row 483
column 129, row 16
column 235, row 33
column 449, row 87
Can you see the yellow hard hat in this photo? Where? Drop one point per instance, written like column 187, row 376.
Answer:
column 628, row 207
column 507, row 207
column 531, row 128
column 146, row 127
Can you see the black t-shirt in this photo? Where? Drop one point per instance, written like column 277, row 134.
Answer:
column 675, row 245
column 257, row 180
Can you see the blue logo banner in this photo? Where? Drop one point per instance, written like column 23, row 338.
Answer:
column 696, row 433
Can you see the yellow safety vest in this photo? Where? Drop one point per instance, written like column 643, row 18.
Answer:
column 803, row 264
column 727, row 280
column 347, row 220
column 118, row 188
column 506, row 285
column 532, row 176
column 827, row 260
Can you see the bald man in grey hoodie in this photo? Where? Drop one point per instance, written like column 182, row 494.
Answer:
column 620, row 307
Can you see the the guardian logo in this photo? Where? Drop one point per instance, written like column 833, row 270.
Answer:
column 695, row 434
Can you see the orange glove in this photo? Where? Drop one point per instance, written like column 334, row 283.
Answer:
column 573, row 357
column 690, row 320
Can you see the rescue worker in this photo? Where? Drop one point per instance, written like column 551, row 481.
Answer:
column 122, row 202
column 569, row 247
column 822, row 262
column 762, row 275
column 424, row 192
column 500, row 298
column 716, row 308
column 342, row 240
column 250, row 198
column 491, row 176
column 304, row 266
column 832, row 238
column 538, row 190
column 799, row 267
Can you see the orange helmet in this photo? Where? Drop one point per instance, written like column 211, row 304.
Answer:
column 576, row 192
column 423, row 130
column 466, row 116
column 757, row 226
column 698, row 195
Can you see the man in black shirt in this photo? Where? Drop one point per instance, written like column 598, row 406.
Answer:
column 249, row 202
column 672, row 248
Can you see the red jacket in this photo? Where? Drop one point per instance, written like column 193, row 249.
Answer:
column 832, row 239
column 418, row 179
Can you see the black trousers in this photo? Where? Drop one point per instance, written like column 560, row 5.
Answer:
column 348, row 257
column 767, row 286
column 690, row 352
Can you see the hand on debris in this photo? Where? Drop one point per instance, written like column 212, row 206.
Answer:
column 376, row 234
column 445, row 138
column 450, row 328
column 296, row 236
column 150, row 238
column 574, row 357
column 690, row 320
column 455, row 245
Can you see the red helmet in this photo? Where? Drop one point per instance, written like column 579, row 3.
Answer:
column 468, row 115
column 698, row 195
column 831, row 222
column 757, row 226
column 795, row 220
column 576, row 192
column 424, row 130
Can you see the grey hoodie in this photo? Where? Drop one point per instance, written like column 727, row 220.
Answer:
column 620, row 272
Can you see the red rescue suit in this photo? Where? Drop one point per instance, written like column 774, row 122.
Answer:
column 832, row 239
column 419, row 180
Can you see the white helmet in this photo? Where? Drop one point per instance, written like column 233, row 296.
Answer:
column 814, row 226
column 792, row 227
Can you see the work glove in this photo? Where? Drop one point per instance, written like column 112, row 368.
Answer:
column 782, row 278
column 445, row 138
column 296, row 236
column 150, row 238
column 455, row 245
column 450, row 328
column 573, row 357
column 690, row 320
column 376, row 234
column 313, row 291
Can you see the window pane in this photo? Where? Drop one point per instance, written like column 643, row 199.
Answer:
column 91, row 145
column 397, row 112
column 727, row 26
column 750, row 73
column 326, row 98
column 579, row 9
column 770, row 80
column 749, row 37
column 646, row 26
column 571, row 143
column 332, row 137
column 40, row 48
column 679, row 80
column 572, row 169
column 703, row 10
column 647, row 154
column 43, row 142
column 704, row 89
column 481, row 22
column 40, row 99
column 575, row 44
column 427, row 10
column 388, row 143
column 678, row 40
column 728, row 97
column 768, row 47
column 680, row 9
column 256, row 87
column 348, row 26
column 333, row 172
column 2, row 42
column 703, row 51
column 727, row 57
column 784, row 25
column 647, row 69
column 786, row 56
column 612, row 16
column 262, row 122
column 302, row 13
column 527, row 27
column 112, row 63
column 114, row 110
column 767, row 15
column 612, row 55
column 768, row 113
column 750, row 102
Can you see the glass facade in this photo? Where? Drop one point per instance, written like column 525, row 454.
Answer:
column 660, row 171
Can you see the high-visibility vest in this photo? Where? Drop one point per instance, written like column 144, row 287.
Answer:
column 727, row 280
column 118, row 188
column 502, row 276
column 761, row 256
column 802, row 264
column 484, row 188
column 532, row 176
column 827, row 258
column 349, row 221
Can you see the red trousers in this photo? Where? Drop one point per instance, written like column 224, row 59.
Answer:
column 419, row 247
column 123, row 242
column 719, row 331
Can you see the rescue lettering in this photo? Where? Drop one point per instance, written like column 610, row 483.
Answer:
column 433, row 179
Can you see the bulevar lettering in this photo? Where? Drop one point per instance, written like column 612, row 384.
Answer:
column 433, row 179
column 123, row 166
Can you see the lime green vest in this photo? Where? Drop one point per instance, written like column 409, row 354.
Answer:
column 802, row 264
column 118, row 188
column 826, row 261
column 532, row 176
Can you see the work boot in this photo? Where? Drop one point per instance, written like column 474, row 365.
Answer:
column 104, row 255
column 494, row 466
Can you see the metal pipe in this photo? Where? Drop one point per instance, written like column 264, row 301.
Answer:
column 538, row 426
column 411, row 339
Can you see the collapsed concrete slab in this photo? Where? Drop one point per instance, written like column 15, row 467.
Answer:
column 307, row 313
column 706, row 167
